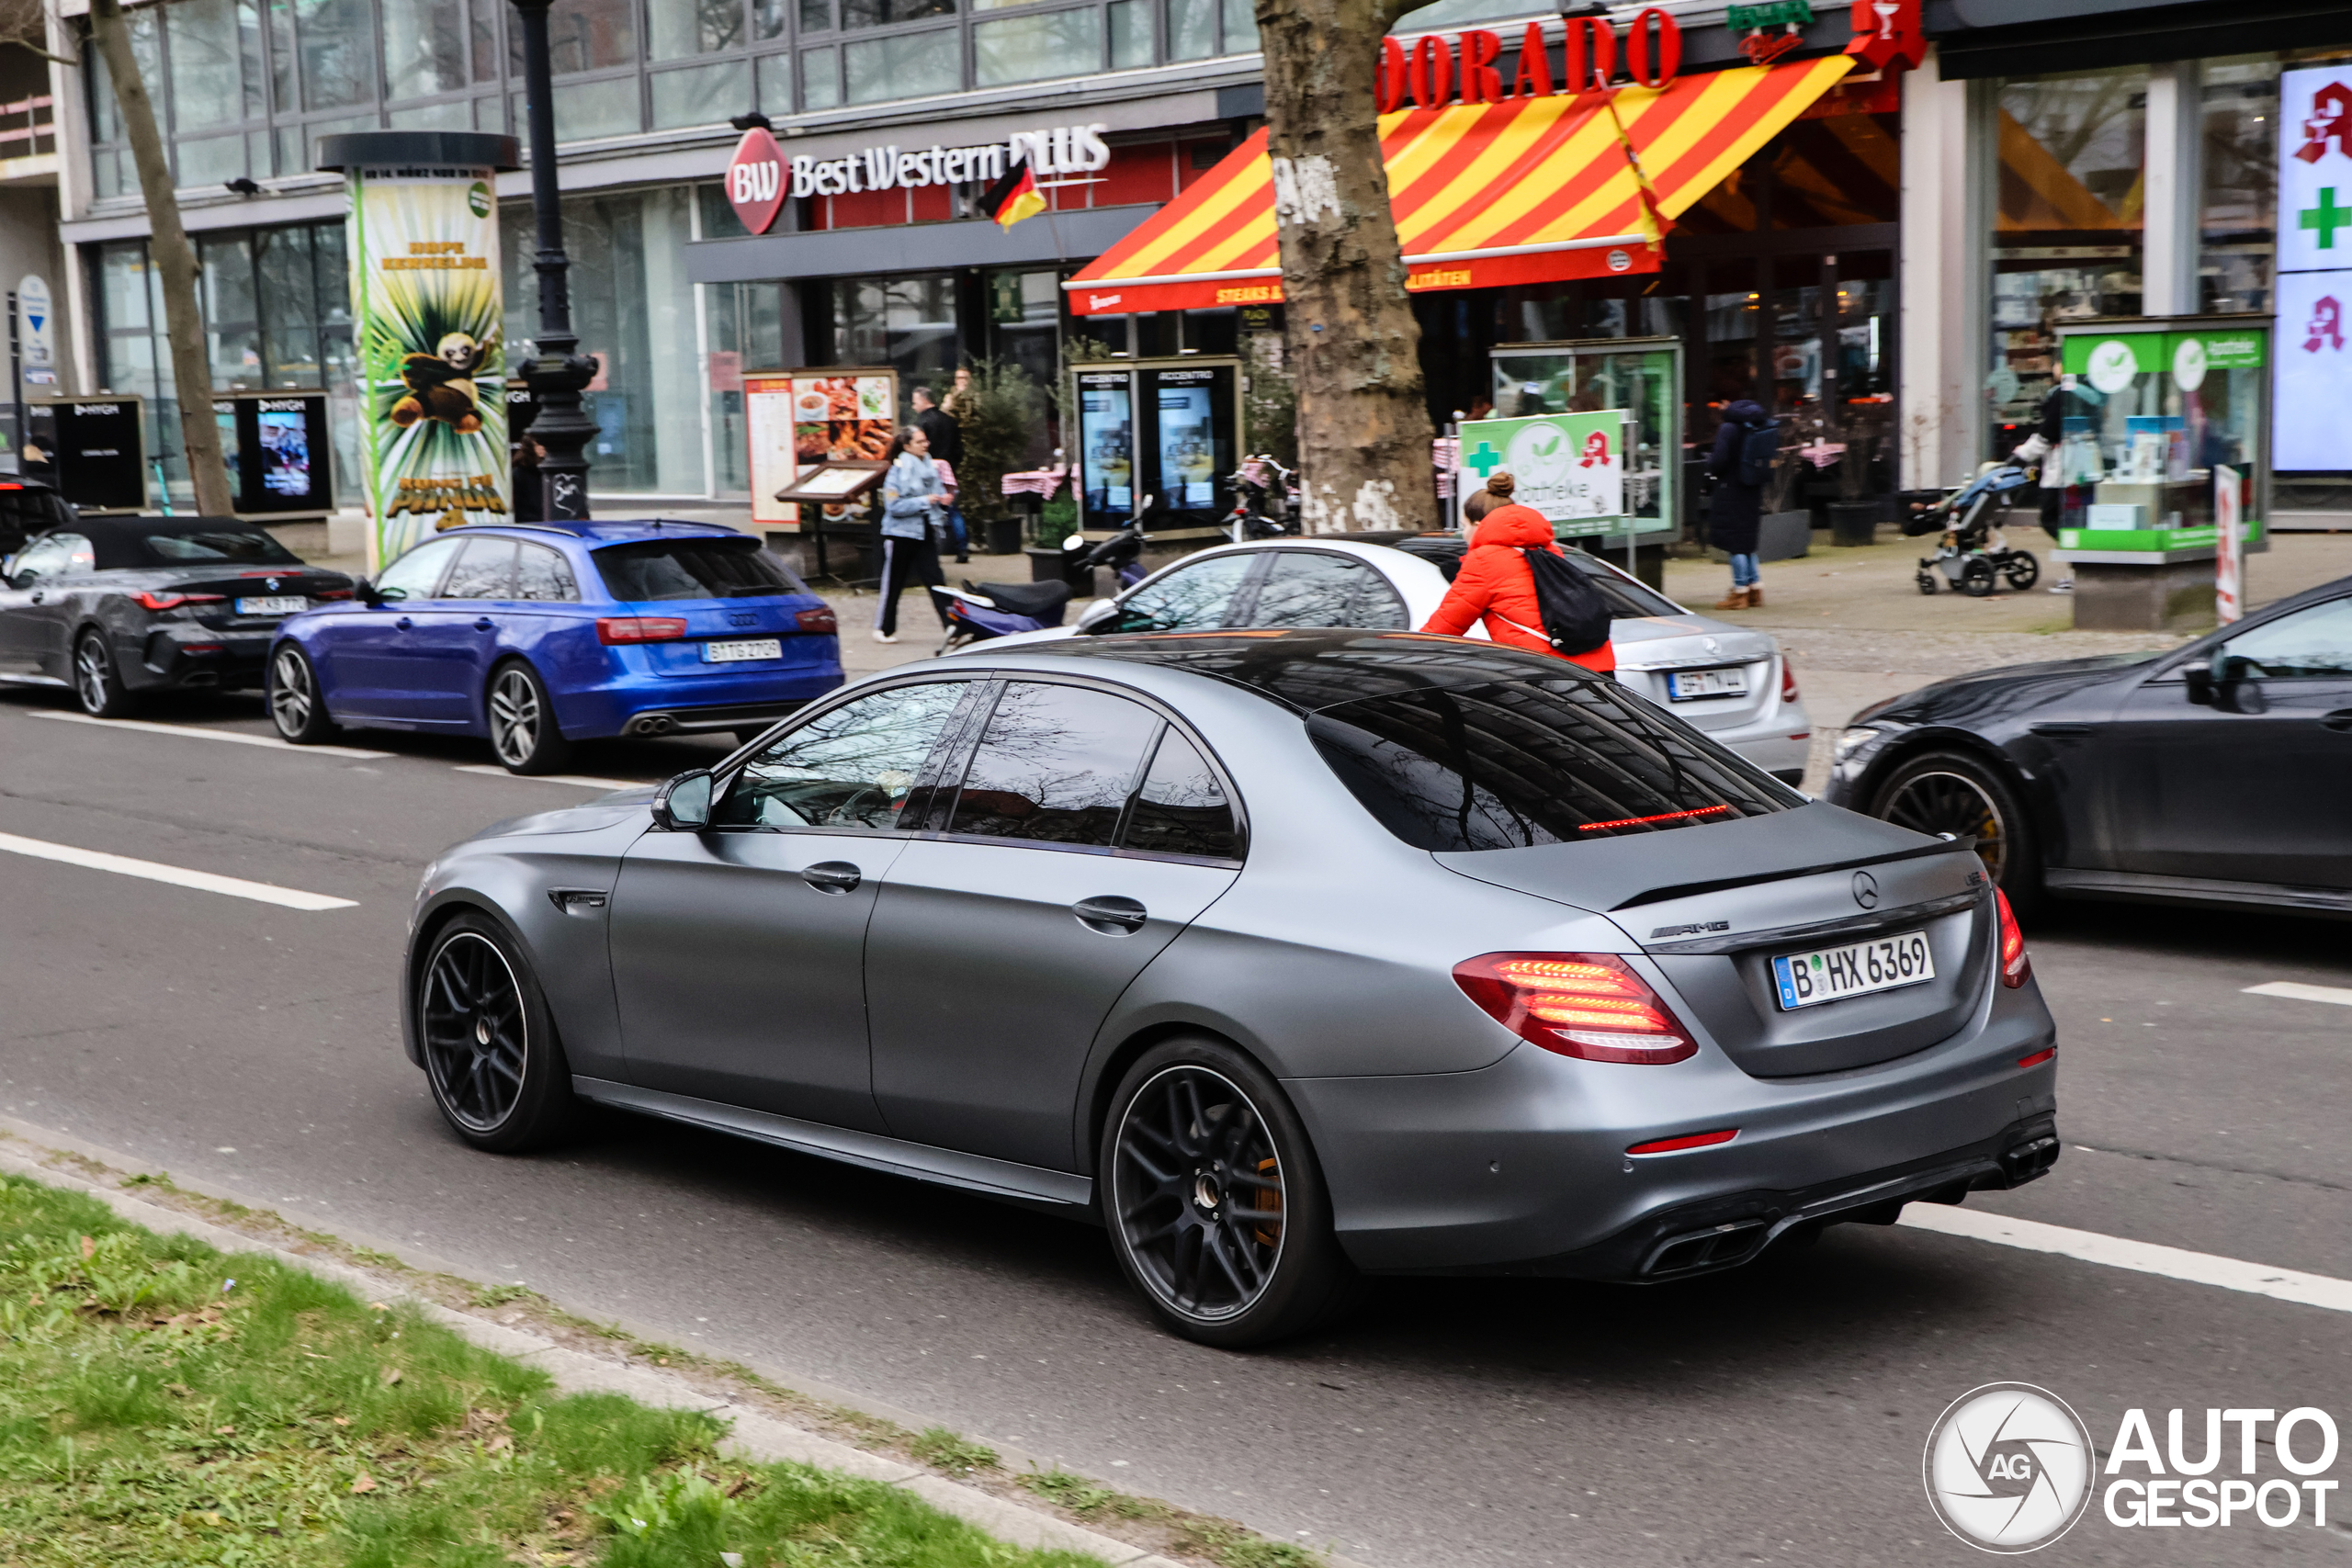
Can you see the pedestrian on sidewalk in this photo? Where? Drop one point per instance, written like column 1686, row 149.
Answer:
column 912, row 502
column 1496, row 583
column 1747, row 445
column 946, row 436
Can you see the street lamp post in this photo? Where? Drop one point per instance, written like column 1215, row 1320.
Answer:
column 559, row 374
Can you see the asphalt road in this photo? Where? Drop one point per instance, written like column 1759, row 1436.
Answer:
column 1775, row 1414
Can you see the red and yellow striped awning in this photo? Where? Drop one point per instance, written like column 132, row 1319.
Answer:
column 1529, row 190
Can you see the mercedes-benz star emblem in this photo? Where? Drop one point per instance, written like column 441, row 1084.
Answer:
column 1866, row 890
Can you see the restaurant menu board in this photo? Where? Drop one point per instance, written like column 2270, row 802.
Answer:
column 797, row 418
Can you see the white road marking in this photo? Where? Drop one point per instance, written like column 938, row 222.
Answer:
column 2302, row 993
column 582, row 780
column 2140, row 1257
column 203, row 881
column 199, row 733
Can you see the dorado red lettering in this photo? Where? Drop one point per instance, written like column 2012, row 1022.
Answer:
column 1481, row 82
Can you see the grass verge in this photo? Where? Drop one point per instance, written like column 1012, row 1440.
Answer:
column 164, row 1403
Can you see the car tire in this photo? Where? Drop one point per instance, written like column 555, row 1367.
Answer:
column 1952, row 792
column 521, row 716
column 1222, row 1257
column 98, row 690
column 497, row 1071
column 297, row 709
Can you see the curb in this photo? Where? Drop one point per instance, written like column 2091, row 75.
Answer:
column 755, row 1435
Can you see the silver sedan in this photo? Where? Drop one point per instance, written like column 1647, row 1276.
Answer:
column 1287, row 956
column 1731, row 681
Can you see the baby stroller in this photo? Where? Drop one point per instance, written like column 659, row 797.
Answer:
column 1973, row 553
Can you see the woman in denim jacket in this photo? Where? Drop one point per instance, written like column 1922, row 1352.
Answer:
column 913, row 504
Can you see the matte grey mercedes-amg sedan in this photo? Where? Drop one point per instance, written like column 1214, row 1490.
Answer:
column 1288, row 956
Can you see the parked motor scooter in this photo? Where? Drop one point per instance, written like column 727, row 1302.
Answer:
column 1265, row 501
column 1973, row 553
column 978, row 611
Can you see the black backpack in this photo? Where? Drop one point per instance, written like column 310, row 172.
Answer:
column 1576, row 617
column 1758, row 450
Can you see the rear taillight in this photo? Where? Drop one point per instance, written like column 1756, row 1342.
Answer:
column 147, row 601
column 2016, row 967
column 1590, row 1005
column 615, row 629
column 1788, row 681
column 816, row 620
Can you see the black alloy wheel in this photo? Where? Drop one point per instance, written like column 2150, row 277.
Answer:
column 98, row 684
column 1949, row 792
column 296, row 708
column 522, row 721
column 490, row 1054
column 1215, row 1205
column 2022, row 571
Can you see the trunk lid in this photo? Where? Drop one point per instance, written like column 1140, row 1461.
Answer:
column 733, row 620
column 1652, row 647
column 1713, row 907
column 308, row 584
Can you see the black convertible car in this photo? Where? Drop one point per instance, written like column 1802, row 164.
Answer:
column 117, row 606
column 2217, row 773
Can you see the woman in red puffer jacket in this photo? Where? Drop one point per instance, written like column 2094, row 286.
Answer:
column 1496, row 583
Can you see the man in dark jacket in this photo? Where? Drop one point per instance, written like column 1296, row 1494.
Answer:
column 1736, row 512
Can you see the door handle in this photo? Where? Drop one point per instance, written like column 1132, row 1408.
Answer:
column 484, row 624
column 402, row 624
column 1111, row 916
column 831, row 876
column 2339, row 721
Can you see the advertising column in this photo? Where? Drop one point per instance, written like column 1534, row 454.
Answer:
column 422, row 239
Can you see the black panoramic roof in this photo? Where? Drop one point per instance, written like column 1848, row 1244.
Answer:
column 1309, row 670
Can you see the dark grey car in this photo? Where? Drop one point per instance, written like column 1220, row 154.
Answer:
column 117, row 607
column 1288, row 956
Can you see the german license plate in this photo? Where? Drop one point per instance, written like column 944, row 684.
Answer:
column 1833, row 973
column 742, row 650
column 285, row 605
column 1682, row 685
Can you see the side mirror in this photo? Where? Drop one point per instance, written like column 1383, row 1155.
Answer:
column 683, row 805
column 2199, row 678
column 1099, row 615
column 363, row 590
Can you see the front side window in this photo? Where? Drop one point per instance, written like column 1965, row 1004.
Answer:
column 485, row 571
column 693, row 568
column 1537, row 761
column 852, row 767
column 1055, row 766
column 415, row 574
column 2313, row 643
column 56, row 556
column 1188, row 599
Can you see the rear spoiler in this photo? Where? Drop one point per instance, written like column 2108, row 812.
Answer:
column 1948, row 845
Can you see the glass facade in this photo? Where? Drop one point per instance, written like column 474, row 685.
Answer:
column 246, row 88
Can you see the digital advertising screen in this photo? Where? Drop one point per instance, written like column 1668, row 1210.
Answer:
column 279, row 465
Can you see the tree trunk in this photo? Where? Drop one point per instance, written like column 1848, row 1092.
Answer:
column 1350, row 336
column 173, row 257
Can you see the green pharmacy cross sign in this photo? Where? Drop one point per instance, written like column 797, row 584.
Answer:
column 2326, row 218
column 1485, row 460
column 1569, row 467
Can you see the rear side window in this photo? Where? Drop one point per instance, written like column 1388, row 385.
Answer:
column 693, row 568
column 1308, row 588
column 1508, row 765
column 249, row 545
column 543, row 573
column 485, row 571
column 1182, row 808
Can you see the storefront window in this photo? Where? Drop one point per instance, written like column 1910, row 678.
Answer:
column 2070, row 189
column 907, row 323
column 424, row 50
column 913, row 66
column 1029, row 49
column 701, row 95
column 1191, row 28
column 1130, row 33
column 216, row 62
column 675, row 30
column 289, row 325
column 2241, row 145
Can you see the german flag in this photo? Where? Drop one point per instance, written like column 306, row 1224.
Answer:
column 1013, row 197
